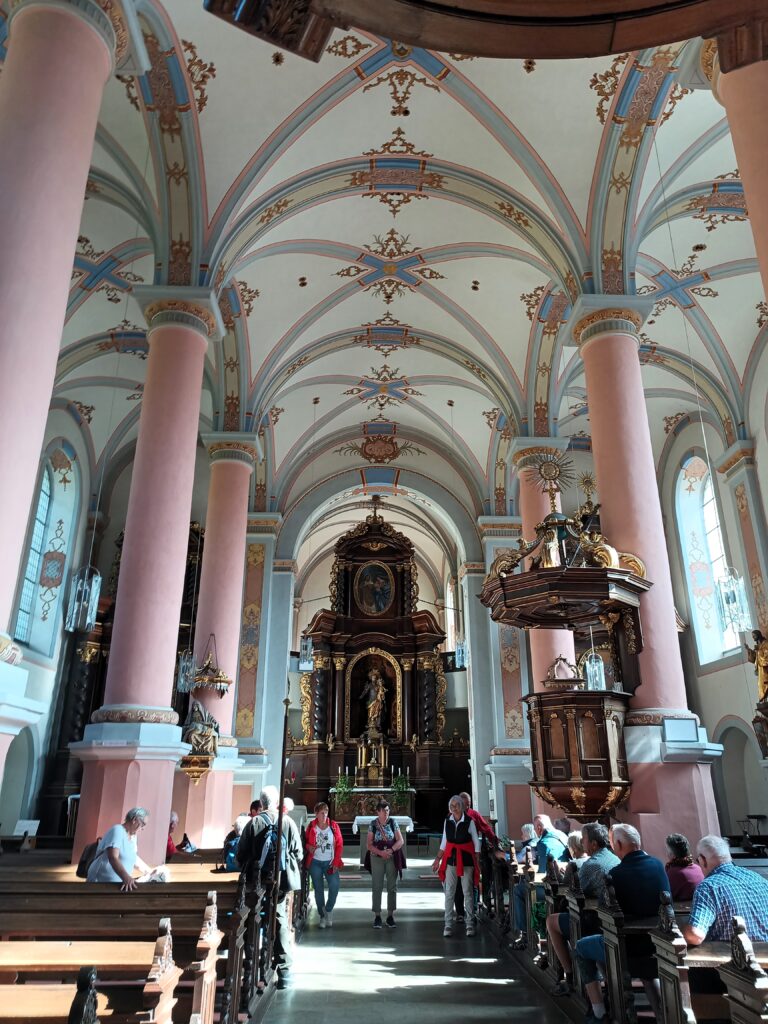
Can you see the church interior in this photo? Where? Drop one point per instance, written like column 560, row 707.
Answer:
column 385, row 395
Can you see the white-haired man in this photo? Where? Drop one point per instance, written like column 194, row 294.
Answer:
column 637, row 882
column 252, row 856
column 549, row 842
column 726, row 892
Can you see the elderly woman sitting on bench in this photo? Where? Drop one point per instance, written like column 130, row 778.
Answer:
column 117, row 853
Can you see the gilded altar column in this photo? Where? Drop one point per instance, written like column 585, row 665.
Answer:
column 546, row 645
column 60, row 56
column 205, row 807
column 339, row 664
column 130, row 749
column 408, row 730
column 606, row 330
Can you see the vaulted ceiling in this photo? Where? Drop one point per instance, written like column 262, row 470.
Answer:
column 400, row 234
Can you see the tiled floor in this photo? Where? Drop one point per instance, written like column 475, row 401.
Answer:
column 352, row 973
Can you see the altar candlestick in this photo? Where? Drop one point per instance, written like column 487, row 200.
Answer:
column 408, row 771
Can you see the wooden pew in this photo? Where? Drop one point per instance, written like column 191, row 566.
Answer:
column 112, row 961
column 745, row 979
column 675, row 958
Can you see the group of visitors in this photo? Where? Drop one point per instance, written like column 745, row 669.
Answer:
column 717, row 888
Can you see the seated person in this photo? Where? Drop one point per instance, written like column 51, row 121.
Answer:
column 637, row 882
column 549, row 842
column 117, row 853
column 170, row 846
column 682, row 873
column 231, row 843
column 529, row 838
column 726, row 892
column 598, row 860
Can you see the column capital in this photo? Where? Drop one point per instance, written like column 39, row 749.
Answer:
column 114, row 20
column 593, row 315
column 523, row 449
column 740, row 454
column 265, row 524
column 226, row 447
column 285, row 565
column 471, row 569
column 504, row 527
column 192, row 307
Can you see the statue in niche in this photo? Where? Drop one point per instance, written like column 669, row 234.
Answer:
column 758, row 655
column 201, row 730
column 374, row 693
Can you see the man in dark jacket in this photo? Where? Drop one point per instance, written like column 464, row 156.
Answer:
column 637, row 882
column 249, row 856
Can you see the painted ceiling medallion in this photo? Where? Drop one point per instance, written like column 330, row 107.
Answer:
column 379, row 445
column 390, row 267
column 386, row 335
column 383, row 388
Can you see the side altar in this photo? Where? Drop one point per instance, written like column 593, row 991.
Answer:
column 373, row 707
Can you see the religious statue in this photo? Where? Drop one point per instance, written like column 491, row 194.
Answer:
column 758, row 655
column 201, row 730
column 374, row 693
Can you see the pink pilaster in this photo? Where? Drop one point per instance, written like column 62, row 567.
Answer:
column 58, row 61
column 630, row 514
column 205, row 809
column 743, row 93
column 132, row 746
column 546, row 644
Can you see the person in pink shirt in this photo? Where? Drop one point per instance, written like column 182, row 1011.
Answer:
column 683, row 874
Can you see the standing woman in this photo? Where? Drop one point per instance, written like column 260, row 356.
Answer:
column 385, row 844
column 458, row 860
column 323, row 847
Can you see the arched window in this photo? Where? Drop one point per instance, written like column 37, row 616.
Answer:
column 23, row 628
column 40, row 608
column 704, row 559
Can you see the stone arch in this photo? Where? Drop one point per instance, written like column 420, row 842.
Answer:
column 18, row 778
column 738, row 777
column 446, row 507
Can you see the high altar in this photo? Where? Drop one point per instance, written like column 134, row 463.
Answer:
column 373, row 708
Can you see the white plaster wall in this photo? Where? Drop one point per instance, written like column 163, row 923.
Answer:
column 726, row 691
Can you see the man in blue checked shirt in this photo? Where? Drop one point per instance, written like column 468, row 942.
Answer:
column 725, row 893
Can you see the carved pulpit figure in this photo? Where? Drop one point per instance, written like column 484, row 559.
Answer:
column 201, row 730
column 758, row 655
column 374, row 693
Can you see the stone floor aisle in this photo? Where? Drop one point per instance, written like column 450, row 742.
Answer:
column 352, row 973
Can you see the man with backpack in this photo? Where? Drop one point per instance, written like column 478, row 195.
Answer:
column 256, row 853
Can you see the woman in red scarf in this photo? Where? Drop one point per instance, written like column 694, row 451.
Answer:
column 458, row 860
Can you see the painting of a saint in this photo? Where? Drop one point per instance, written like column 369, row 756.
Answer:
column 374, row 588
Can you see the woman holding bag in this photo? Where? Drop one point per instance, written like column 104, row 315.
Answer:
column 323, row 847
column 384, row 859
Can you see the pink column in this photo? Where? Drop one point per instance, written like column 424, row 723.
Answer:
column 131, row 749
column 630, row 516
column 743, row 93
column 545, row 644
column 50, row 91
column 205, row 809
column 630, row 510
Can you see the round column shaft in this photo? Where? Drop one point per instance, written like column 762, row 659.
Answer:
column 219, row 607
column 743, row 93
column 153, row 563
column 630, row 509
column 58, row 61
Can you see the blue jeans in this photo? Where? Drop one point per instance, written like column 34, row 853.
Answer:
column 590, row 952
column 318, row 870
column 518, row 893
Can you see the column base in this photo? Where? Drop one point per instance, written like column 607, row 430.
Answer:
column 127, row 765
column 205, row 807
column 510, row 774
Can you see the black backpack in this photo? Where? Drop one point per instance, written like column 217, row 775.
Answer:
column 87, row 857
